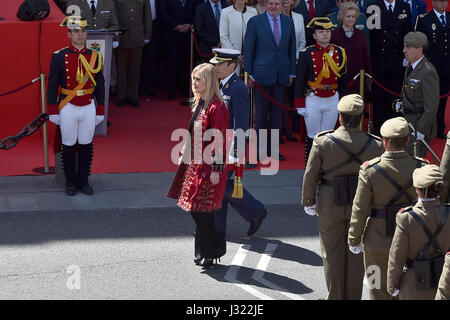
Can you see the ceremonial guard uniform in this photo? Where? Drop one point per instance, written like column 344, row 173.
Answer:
column 333, row 166
column 235, row 92
column 75, row 78
column 421, row 238
column 445, row 169
column 100, row 14
column 420, row 94
column 443, row 292
column 386, row 47
column 318, row 81
column 436, row 26
column 384, row 186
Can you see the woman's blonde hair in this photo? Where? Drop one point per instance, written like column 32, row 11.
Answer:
column 207, row 72
column 345, row 7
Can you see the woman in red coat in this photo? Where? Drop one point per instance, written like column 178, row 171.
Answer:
column 200, row 181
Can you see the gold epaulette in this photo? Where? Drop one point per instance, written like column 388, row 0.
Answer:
column 304, row 49
column 58, row 51
column 370, row 163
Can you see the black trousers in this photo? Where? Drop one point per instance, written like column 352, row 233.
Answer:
column 444, row 88
column 150, row 68
column 177, row 55
column 208, row 243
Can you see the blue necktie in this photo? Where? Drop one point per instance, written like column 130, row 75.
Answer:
column 443, row 20
column 217, row 13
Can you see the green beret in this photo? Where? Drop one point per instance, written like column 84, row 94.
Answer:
column 351, row 104
column 394, row 128
column 426, row 176
column 416, row 39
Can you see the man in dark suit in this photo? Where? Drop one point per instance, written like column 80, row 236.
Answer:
column 436, row 25
column 178, row 17
column 417, row 7
column 269, row 59
column 386, row 44
column 235, row 92
column 100, row 14
column 310, row 9
column 206, row 26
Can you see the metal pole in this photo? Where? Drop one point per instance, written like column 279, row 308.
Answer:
column 361, row 93
column 192, row 61
column 44, row 126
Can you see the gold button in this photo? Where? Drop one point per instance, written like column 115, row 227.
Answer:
column 67, row 62
column 67, row 69
column 68, row 77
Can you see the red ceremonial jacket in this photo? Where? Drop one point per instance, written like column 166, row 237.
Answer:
column 192, row 186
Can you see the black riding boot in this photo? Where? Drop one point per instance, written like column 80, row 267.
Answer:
column 68, row 165
column 85, row 154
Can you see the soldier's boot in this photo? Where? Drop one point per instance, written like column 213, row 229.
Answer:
column 85, row 154
column 68, row 165
column 308, row 146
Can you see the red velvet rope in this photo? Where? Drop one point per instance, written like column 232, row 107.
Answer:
column 265, row 95
column 198, row 49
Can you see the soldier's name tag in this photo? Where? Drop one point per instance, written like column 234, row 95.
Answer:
column 360, row 27
column 105, row 12
column 402, row 16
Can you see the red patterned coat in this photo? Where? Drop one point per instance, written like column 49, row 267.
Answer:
column 192, row 186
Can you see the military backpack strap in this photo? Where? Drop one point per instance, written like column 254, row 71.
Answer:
column 401, row 190
column 353, row 156
column 431, row 236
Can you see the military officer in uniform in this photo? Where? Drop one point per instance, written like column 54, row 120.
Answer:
column 134, row 16
column 384, row 186
column 235, row 92
column 445, row 169
column 100, row 14
column 319, row 81
column 412, row 248
column 333, row 166
column 75, row 79
column 386, row 45
column 443, row 291
column 436, row 25
column 420, row 94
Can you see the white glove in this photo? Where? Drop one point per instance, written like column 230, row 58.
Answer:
column 311, row 210
column 146, row 41
column 356, row 250
column 396, row 292
column 115, row 44
column 99, row 119
column 302, row 112
column 398, row 106
column 54, row 118
column 420, row 136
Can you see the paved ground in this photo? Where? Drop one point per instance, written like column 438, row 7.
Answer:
column 129, row 241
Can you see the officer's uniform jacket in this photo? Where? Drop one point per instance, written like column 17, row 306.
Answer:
column 134, row 16
column 313, row 76
column 326, row 154
column 105, row 14
column 420, row 98
column 408, row 240
column 438, row 52
column 445, row 169
column 443, row 292
column 63, row 74
column 374, row 191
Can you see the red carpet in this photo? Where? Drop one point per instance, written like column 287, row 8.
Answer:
column 138, row 141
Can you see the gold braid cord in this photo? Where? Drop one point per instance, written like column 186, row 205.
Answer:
column 89, row 69
column 328, row 61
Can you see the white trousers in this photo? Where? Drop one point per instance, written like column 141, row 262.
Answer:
column 321, row 115
column 77, row 123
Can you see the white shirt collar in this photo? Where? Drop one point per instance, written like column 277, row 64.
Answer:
column 439, row 15
column 427, row 199
column 414, row 65
column 224, row 81
column 95, row 3
column 393, row 152
column 387, row 4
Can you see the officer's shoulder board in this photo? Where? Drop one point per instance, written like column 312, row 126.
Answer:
column 425, row 161
column 60, row 50
column 374, row 136
column 306, row 48
column 320, row 134
column 405, row 209
column 368, row 164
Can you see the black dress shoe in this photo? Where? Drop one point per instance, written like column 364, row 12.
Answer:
column 281, row 140
column 289, row 135
column 208, row 263
column 442, row 135
column 281, row 157
column 108, row 124
column 121, row 103
column 87, row 189
column 198, row 261
column 256, row 223
column 135, row 104
column 71, row 189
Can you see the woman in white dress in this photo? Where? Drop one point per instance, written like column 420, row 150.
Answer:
column 233, row 25
column 299, row 27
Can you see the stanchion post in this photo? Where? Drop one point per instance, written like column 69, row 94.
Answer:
column 361, row 92
column 192, row 61
column 44, row 126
